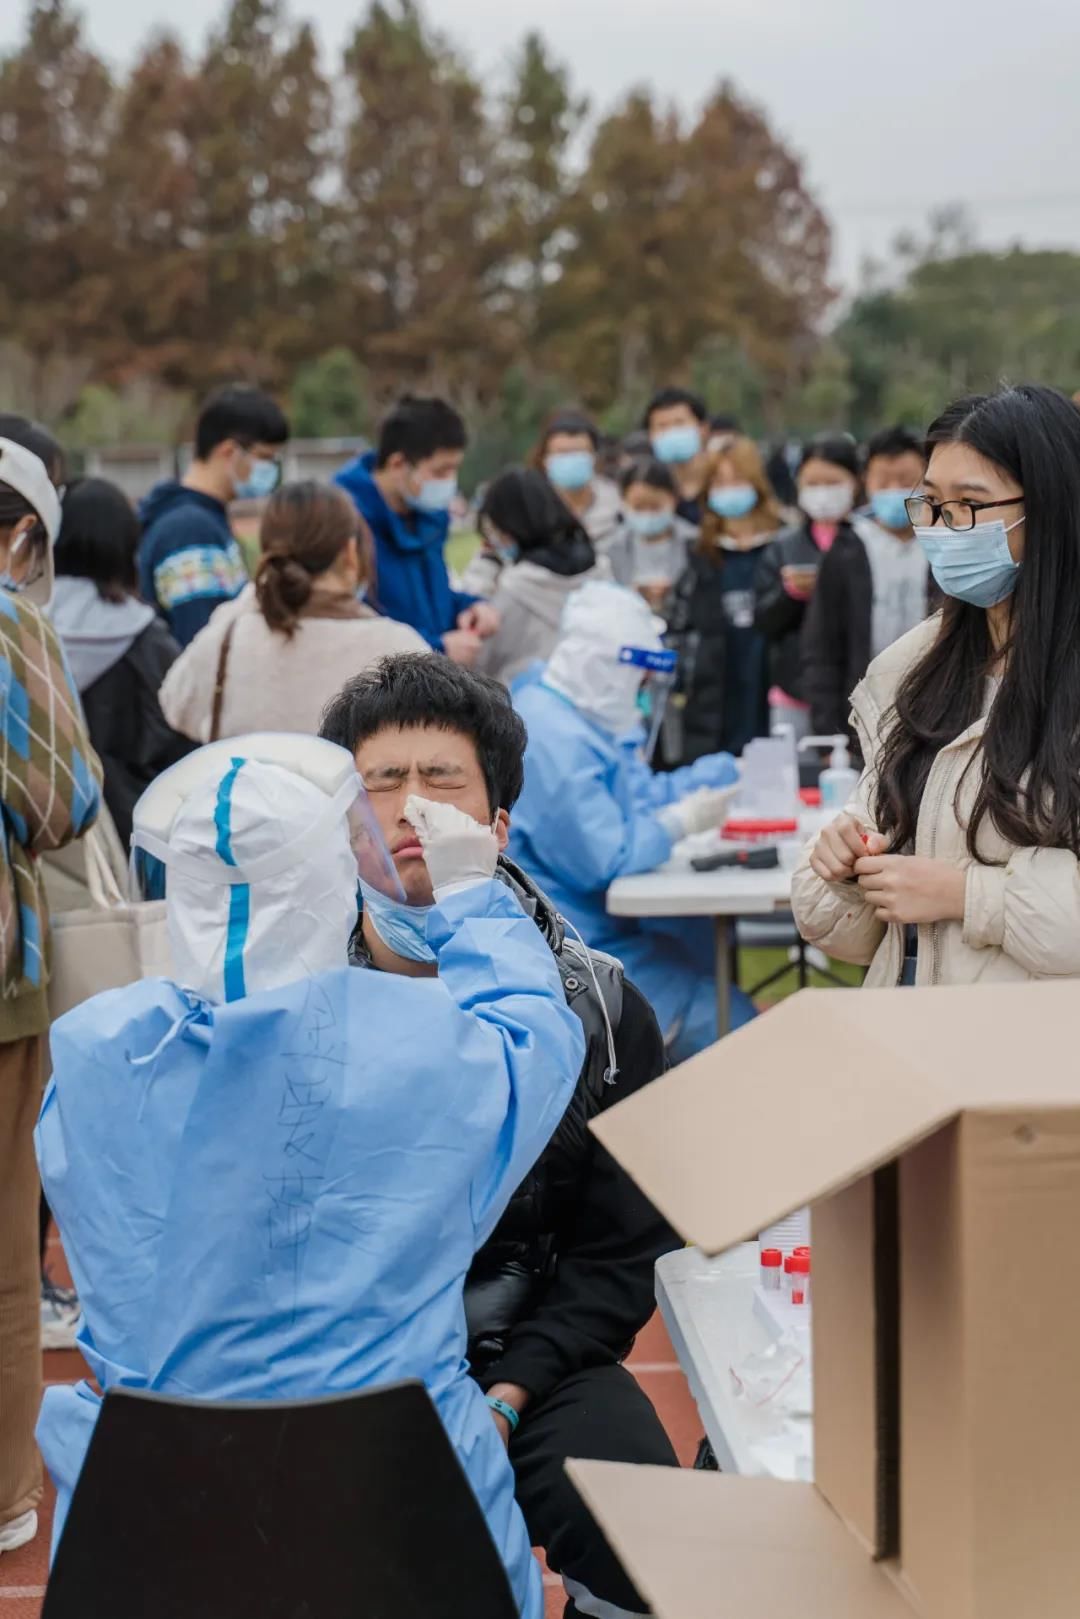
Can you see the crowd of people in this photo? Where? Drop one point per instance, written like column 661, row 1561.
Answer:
column 385, row 805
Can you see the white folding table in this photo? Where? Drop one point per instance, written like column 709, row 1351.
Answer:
column 708, row 1306
column 676, row 889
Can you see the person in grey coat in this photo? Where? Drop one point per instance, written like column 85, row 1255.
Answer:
column 548, row 556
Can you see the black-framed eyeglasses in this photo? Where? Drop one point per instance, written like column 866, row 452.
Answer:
column 958, row 515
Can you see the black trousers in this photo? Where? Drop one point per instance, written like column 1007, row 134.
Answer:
column 598, row 1415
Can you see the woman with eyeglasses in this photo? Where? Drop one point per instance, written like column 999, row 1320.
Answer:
column 957, row 859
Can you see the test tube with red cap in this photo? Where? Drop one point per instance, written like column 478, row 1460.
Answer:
column 772, row 1263
column 800, row 1279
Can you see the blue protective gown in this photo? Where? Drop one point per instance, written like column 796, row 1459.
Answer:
column 587, row 816
column 284, row 1200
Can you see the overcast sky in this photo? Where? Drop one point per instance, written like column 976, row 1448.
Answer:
column 895, row 108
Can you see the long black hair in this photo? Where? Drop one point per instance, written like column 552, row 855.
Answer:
column 1030, row 756
column 521, row 503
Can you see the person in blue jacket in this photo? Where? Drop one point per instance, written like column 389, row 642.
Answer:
column 404, row 491
column 189, row 561
column 592, row 810
column 272, row 1171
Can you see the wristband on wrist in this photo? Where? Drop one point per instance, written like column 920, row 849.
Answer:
column 501, row 1409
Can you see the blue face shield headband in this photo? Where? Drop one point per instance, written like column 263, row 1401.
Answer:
column 661, row 662
column 660, row 667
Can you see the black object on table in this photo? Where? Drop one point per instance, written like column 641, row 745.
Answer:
column 766, row 859
column 351, row 1507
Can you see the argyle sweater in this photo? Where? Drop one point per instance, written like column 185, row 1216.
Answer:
column 50, row 793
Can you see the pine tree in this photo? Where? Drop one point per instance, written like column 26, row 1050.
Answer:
column 425, row 255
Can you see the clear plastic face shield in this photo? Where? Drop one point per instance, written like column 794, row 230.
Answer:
column 257, row 844
column 659, row 671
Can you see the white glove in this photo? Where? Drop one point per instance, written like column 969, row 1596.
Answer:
column 458, row 851
column 699, row 811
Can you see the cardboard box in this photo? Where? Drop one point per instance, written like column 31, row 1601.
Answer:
column 937, row 1135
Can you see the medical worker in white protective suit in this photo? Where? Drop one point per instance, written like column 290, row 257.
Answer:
column 592, row 809
column 272, row 1174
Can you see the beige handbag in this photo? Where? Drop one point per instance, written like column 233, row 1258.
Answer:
column 112, row 943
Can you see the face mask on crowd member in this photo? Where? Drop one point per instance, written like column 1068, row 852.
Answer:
column 238, row 443
column 567, row 451
column 609, row 643
column 263, row 476
column 894, row 467
column 676, row 421
column 649, row 499
column 739, row 493
column 828, row 478
column 421, row 449
column 733, row 500
column 969, row 520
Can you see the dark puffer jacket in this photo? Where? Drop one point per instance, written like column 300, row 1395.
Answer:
column 565, row 1282
column 779, row 616
column 837, row 634
column 723, row 659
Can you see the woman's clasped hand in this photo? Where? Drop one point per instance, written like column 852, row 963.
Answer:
column 904, row 889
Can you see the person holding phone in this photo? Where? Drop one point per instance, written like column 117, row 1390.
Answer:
column 957, row 859
column 828, row 490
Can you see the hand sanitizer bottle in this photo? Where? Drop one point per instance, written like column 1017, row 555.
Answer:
column 841, row 779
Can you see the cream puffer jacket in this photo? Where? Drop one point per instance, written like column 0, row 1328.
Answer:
column 1022, row 911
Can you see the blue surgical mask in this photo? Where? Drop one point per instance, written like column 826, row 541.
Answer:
column 650, row 525
column 261, row 481
column 15, row 586
column 889, row 509
column 436, row 495
column 402, row 928
column 975, row 566
column 677, row 444
column 735, row 500
column 571, row 469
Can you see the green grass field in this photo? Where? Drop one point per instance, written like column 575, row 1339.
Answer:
column 460, row 549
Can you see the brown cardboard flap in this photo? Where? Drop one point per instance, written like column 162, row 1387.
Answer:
column 829, row 1085
column 711, row 1546
column 846, row 1365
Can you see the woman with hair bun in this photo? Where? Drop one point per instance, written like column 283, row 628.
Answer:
column 272, row 659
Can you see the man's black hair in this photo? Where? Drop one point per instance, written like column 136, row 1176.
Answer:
column 38, row 440
column 99, row 536
column 414, row 690
column 419, row 428
column 667, row 397
column 895, row 441
column 247, row 415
